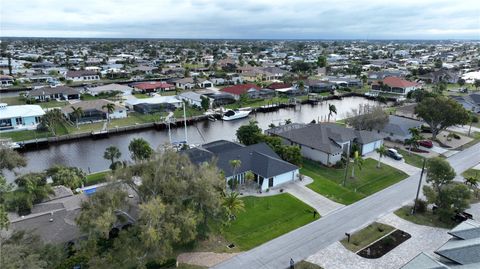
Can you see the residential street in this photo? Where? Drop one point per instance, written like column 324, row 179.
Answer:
column 305, row 241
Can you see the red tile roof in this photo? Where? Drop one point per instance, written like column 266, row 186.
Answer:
column 152, row 85
column 396, row 82
column 240, row 89
column 276, row 86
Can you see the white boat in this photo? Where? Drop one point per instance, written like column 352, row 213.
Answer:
column 235, row 114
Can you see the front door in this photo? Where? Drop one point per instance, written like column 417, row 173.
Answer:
column 270, row 182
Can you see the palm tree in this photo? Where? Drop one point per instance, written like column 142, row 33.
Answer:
column 382, row 151
column 110, row 107
column 413, row 141
column 358, row 162
column 77, row 113
column 271, row 125
column 52, row 119
column 249, row 177
column 233, row 204
column 235, row 164
column 288, row 121
column 112, row 153
column 331, row 110
column 472, row 182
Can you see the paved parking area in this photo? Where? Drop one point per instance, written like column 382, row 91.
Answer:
column 424, row 238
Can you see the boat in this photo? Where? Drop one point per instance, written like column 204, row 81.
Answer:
column 235, row 114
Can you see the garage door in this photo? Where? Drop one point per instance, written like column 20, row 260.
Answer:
column 367, row 148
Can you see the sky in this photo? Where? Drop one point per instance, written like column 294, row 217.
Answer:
column 243, row 19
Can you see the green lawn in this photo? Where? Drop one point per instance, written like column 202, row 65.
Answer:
column 306, row 265
column 411, row 158
column 53, row 103
column 96, row 178
column 471, row 173
column 266, row 218
column 17, row 100
column 141, row 95
column 427, row 218
column 328, row 181
column 18, row 136
column 366, row 236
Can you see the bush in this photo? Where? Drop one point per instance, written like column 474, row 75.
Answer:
column 421, row 206
column 338, row 165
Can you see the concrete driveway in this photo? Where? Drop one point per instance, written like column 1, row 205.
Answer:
column 400, row 165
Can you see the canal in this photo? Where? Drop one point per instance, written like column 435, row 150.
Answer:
column 87, row 154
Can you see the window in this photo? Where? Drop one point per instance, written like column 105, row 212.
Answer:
column 19, row 121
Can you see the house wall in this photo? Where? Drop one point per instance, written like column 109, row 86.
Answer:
column 320, row 156
column 28, row 123
column 118, row 114
column 281, row 179
column 367, row 148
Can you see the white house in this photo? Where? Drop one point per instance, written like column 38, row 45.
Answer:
column 95, row 110
column 22, row 117
column 193, row 98
column 82, row 75
column 326, row 142
column 124, row 89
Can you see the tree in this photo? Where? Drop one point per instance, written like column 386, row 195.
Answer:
column 233, row 204
column 205, row 103
column 235, row 164
column 291, row 154
column 440, row 113
column 140, row 149
column 382, row 151
column 448, row 196
column 415, row 137
column 4, row 189
column 71, row 177
column 10, row 159
column 51, row 120
column 112, row 153
column 110, row 107
column 331, row 110
column 176, row 200
column 357, row 162
column 271, row 125
column 420, row 94
column 288, row 121
column 77, row 113
column 367, row 118
column 249, row 134
column 476, row 83
column 32, row 188
column 243, row 98
column 440, row 88
column 461, row 82
column 322, row 61
column 438, row 63
column 473, row 119
column 249, row 177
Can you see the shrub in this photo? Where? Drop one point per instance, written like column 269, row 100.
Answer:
column 421, row 206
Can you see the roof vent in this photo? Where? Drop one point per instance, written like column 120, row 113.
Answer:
column 3, row 105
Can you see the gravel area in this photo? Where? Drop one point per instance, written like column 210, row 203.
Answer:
column 207, row 259
column 424, row 238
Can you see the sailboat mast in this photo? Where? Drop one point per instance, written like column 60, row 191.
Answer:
column 185, row 123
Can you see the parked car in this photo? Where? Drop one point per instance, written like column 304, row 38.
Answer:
column 426, row 143
column 393, row 153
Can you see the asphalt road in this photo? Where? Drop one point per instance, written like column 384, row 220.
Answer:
column 307, row 240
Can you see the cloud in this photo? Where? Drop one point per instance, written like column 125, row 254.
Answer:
column 282, row 19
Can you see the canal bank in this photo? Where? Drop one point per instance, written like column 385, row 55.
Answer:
column 87, row 153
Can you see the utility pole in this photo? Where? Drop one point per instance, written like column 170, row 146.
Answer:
column 419, row 185
column 185, row 123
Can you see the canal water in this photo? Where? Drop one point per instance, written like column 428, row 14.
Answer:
column 87, row 154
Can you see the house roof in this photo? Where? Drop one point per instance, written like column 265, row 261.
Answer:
column 258, row 158
column 276, row 86
column 8, row 112
column 241, row 88
column 324, row 136
column 423, row 261
column 154, row 100
column 400, row 125
column 396, row 82
column 191, row 95
column 110, row 88
column 461, row 251
column 53, row 90
column 152, row 85
column 80, row 73
column 91, row 105
column 466, row 230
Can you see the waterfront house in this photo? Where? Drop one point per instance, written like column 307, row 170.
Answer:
column 94, row 110
column 153, row 86
column 193, row 98
column 22, row 117
column 318, row 86
column 82, row 75
column 398, row 128
column 268, row 168
column 154, row 104
column 109, row 88
column 54, row 93
column 240, row 89
column 394, row 85
column 326, row 142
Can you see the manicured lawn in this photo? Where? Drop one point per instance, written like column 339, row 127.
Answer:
column 53, row 103
column 96, row 178
column 427, row 218
column 366, row 236
column 13, row 101
column 370, row 179
column 18, row 136
column 306, row 265
column 471, row 173
column 141, row 95
column 411, row 158
column 266, row 218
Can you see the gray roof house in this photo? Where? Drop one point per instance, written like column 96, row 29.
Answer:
column 470, row 102
column 268, row 168
column 398, row 128
column 462, row 251
column 192, row 98
column 56, row 92
column 325, row 142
